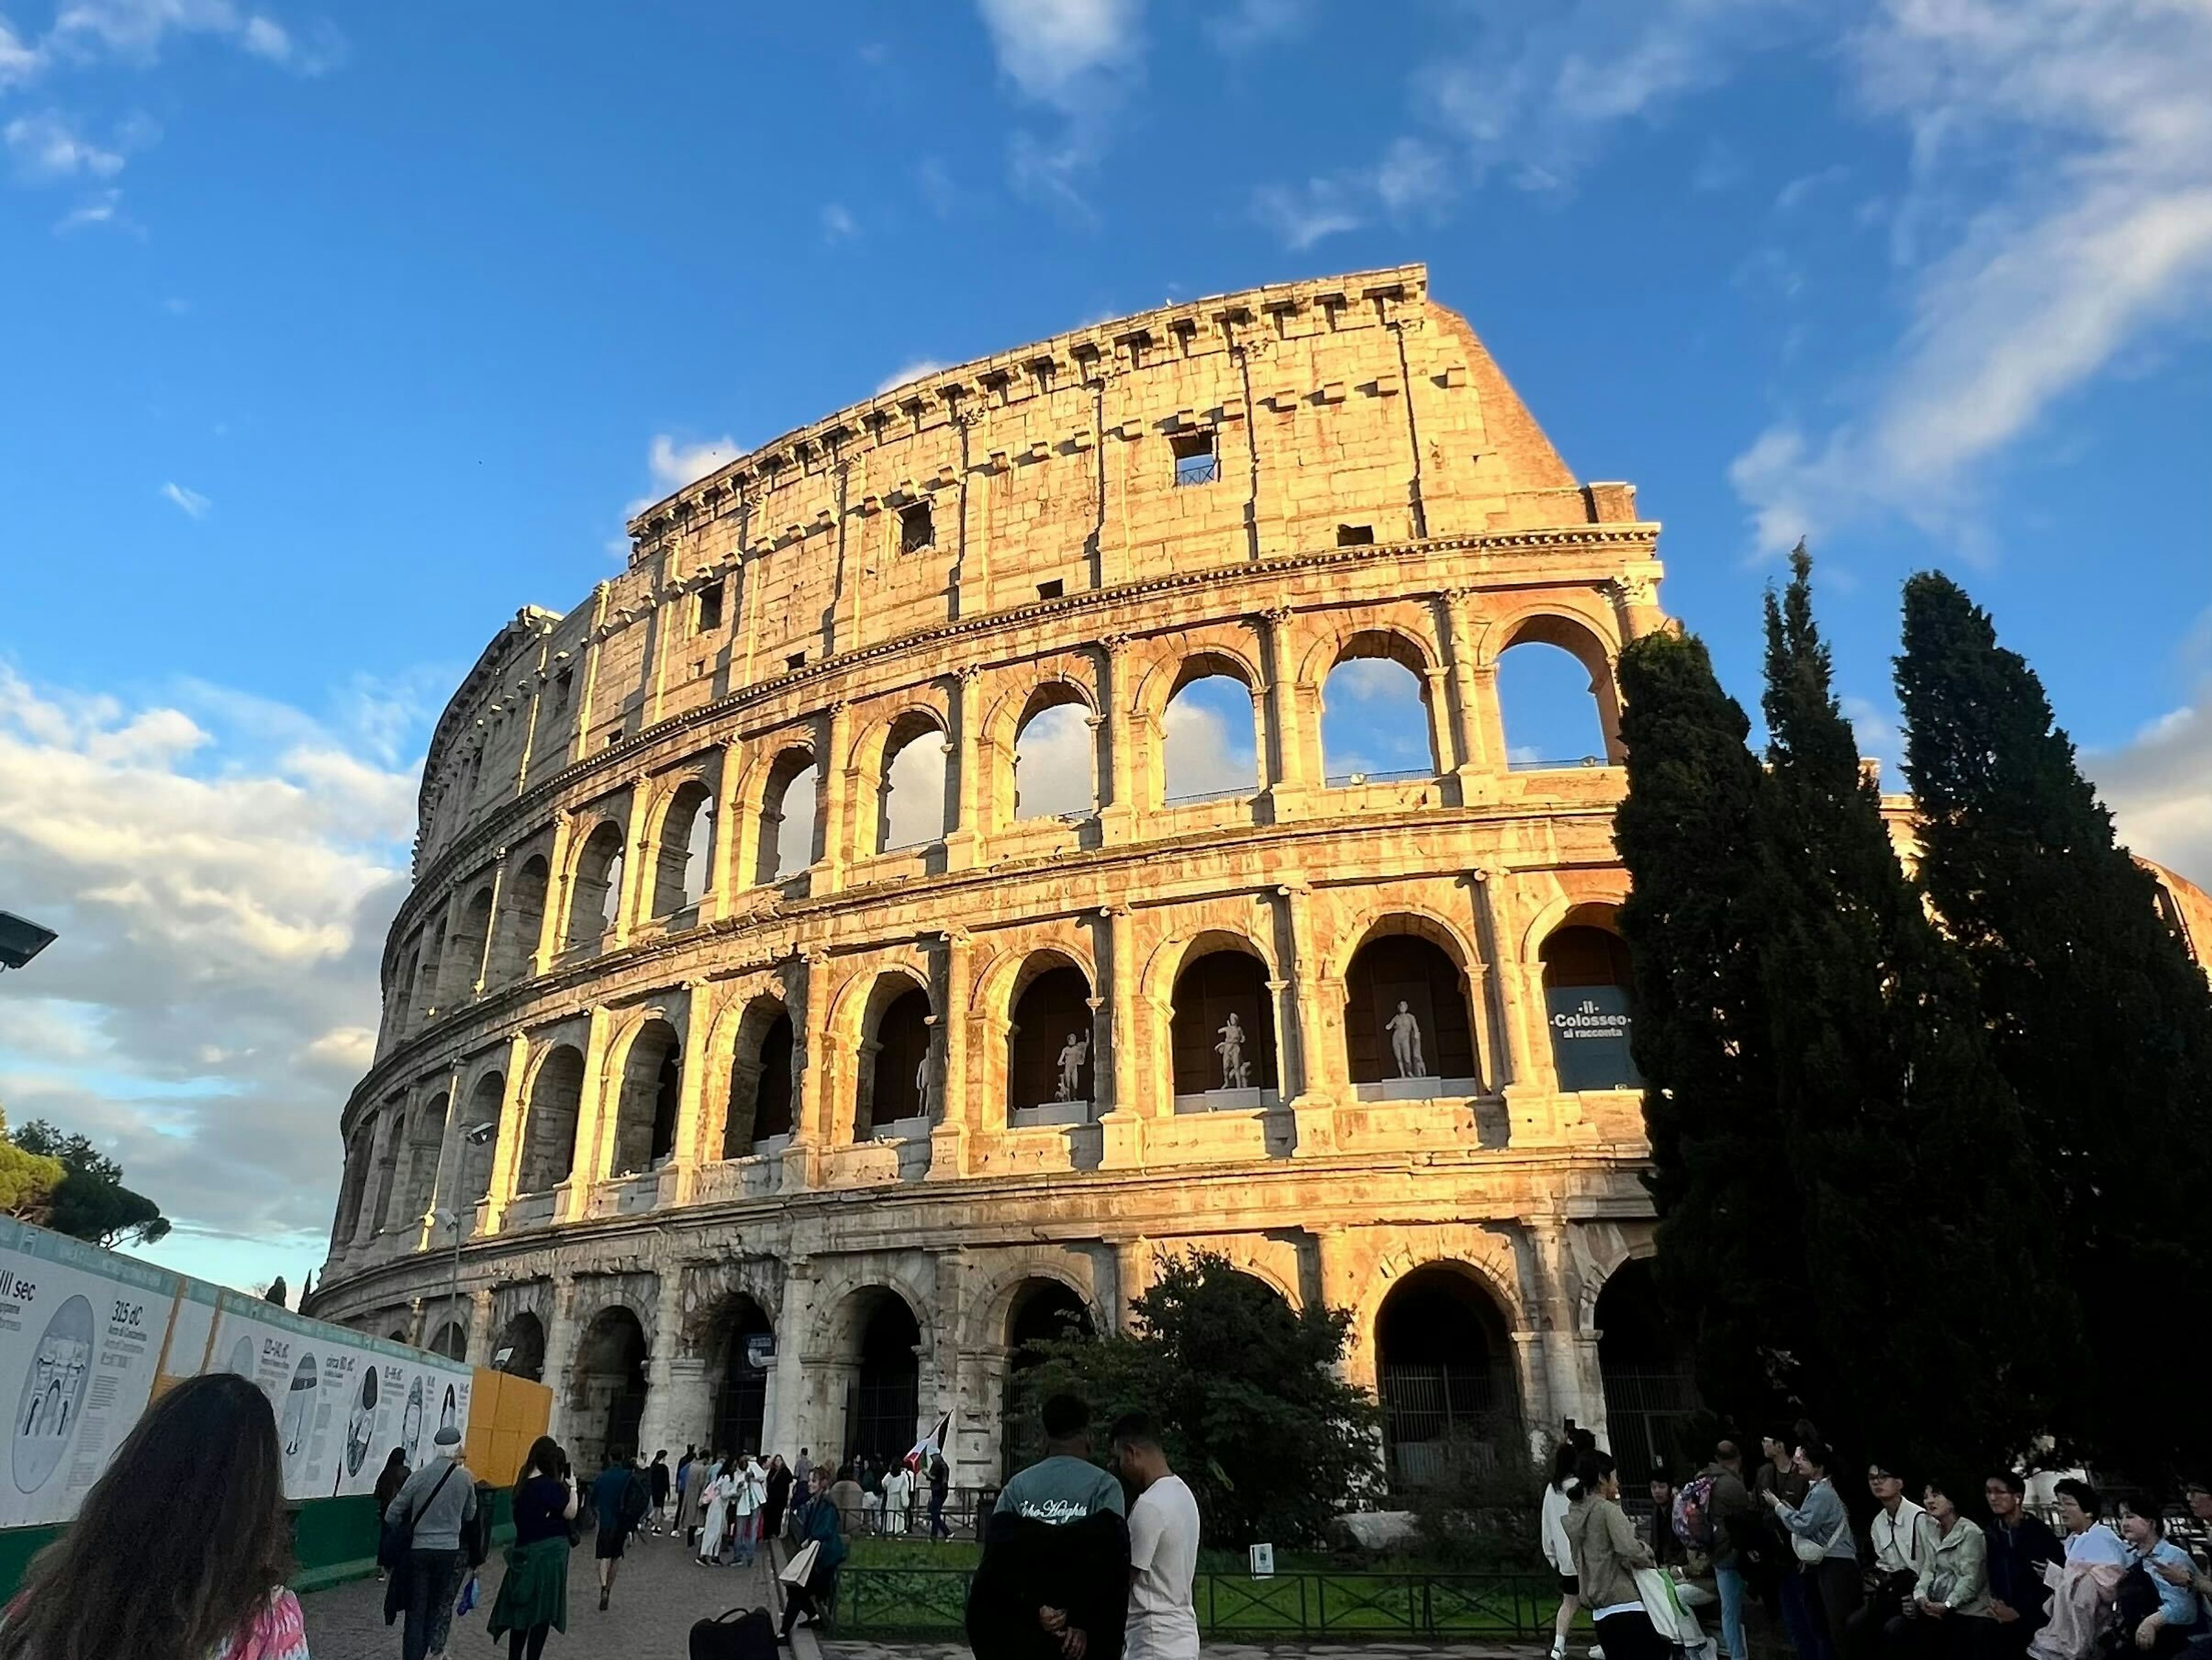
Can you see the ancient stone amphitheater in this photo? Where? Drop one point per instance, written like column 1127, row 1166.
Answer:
column 760, row 1067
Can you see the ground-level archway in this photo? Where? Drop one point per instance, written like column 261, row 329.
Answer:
column 1043, row 1311
column 744, row 1351
column 519, row 1348
column 1651, row 1402
column 886, row 1395
column 606, row 1396
column 1443, row 1373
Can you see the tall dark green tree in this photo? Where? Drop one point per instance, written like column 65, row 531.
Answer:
column 1731, row 1262
column 1906, row 1142
column 91, row 1201
column 2099, row 1019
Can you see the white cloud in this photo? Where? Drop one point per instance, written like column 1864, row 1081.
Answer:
column 266, row 37
column 674, row 465
column 1793, row 194
column 137, row 30
column 2159, row 786
column 838, row 224
column 18, row 62
column 102, row 207
column 47, row 146
column 222, row 872
column 1413, row 179
column 1055, row 49
column 1207, row 740
column 190, row 502
column 1247, row 25
column 1052, row 769
column 914, row 371
column 2071, row 140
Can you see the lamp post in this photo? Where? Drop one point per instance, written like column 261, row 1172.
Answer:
column 21, row 939
column 475, row 1136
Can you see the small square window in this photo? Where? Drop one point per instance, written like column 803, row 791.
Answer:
column 564, row 685
column 710, row 609
column 1355, row 536
column 915, row 530
column 1052, row 589
column 1195, row 463
column 796, row 661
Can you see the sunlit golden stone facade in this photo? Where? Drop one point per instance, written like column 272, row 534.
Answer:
column 775, row 1154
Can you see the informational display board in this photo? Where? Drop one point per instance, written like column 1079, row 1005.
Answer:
column 1589, row 1038
column 342, row 1401
column 81, row 1334
column 87, row 1336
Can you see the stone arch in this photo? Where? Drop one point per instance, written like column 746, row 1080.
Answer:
column 763, row 1077
column 523, row 1335
column 425, row 1130
column 595, row 884
column 650, row 1065
column 451, row 1340
column 1221, row 978
column 522, row 920
column 486, row 1104
column 1589, row 643
column 1589, row 990
column 1202, row 751
column 1048, row 1002
column 1444, row 1374
column 990, row 1309
column 683, row 851
column 465, row 950
column 1394, row 675
column 738, row 1366
column 892, row 1026
column 876, row 1338
column 606, row 1387
column 548, row 1125
column 888, row 762
column 783, row 801
column 1411, row 962
column 1040, row 1308
column 1648, row 1372
column 1047, row 732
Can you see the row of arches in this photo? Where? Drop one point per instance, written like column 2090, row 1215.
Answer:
column 1380, row 719
column 1442, row 1346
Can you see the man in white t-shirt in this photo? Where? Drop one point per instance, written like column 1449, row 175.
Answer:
column 1164, row 1529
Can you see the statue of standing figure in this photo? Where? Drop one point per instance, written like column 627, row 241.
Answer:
column 1072, row 1054
column 1236, row 1070
column 1406, row 1043
column 925, row 1086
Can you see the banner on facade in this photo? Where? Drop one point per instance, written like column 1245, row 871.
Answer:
column 81, row 1334
column 1589, row 1038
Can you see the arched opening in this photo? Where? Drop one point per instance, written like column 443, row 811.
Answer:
column 886, row 1398
column 895, row 1081
column 1445, row 1379
column 760, row 1080
column 451, row 1340
column 1375, row 718
column 486, row 1102
column 1555, row 697
column 519, row 1348
column 387, row 1169
column 787, row 843
column 913, row 811
column 548, row 1149
column 1049, row 1059
column 747, row 1355
column 1054, row 769
column 1405, row 1020
column 1223, row 1031
column 1651, row 1402
column 597, row 893
column 464, row 954
column 1588, row 1003
column 606, row 1396
column 652, row 1081
column 426, row 1137
column 522, row 921
column 355, row 1184
column 685, row 846
column 1043, row 1311
column 427, row 988
column 1210, row 749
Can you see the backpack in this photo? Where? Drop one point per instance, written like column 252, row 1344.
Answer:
column 1693, row 1513
column 740, row 1634
column 635, row 1502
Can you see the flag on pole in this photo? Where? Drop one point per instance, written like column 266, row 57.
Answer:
column 930, row 1444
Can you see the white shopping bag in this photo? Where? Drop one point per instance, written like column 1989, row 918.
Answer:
column 800, row 1568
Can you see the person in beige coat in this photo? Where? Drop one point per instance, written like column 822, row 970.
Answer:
column 1607, row 1552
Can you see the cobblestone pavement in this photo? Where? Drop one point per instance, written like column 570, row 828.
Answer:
column 657, row 1597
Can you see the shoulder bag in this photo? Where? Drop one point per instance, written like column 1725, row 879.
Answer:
column 398, row 1537
column 1811, row 1551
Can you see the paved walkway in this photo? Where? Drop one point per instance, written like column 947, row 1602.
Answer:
column 657, row 1597
column 1212, row 1651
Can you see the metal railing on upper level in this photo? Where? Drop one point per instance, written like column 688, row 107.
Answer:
column 1400, row 776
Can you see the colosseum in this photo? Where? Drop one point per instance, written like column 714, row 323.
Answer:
column 822, row 975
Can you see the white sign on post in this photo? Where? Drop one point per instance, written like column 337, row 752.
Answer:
column 1263, row 1561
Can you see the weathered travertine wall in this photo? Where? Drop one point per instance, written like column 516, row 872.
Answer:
column 599, row 957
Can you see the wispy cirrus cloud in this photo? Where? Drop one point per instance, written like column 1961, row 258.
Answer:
column 190, row 503
column 1078, row 59
column 1413, row 180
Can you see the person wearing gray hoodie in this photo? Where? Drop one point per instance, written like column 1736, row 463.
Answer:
column 1607, row 1552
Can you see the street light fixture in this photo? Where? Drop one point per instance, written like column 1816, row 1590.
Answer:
column 475, row 1136
column 21, row 939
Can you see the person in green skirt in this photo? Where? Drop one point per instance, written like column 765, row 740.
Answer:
column 533, row 1598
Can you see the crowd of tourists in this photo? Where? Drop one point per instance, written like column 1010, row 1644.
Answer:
column 1923, row 1580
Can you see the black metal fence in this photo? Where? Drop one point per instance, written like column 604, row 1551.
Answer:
column 922, row 1602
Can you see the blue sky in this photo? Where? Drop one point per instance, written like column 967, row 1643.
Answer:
column 329, row 336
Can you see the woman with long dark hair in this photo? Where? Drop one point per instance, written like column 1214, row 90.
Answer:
column 180, row 1551
column 1607, row 1552
column 389, row 1479
column 533, row 1598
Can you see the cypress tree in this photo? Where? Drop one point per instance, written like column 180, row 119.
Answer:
column 2098, row 1017
column 1906, row 1143
column 1730, row 1262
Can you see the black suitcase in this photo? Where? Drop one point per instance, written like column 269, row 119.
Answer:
column 740, row 1634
